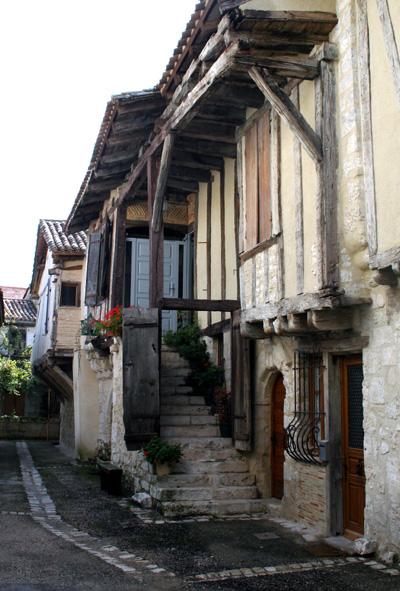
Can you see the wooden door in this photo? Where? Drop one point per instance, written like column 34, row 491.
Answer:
column 353, row 447
column 277, row 439
column 141, row 366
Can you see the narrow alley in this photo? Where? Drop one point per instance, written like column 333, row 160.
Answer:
column 59, row 531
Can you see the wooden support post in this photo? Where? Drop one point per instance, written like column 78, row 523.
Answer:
column 298, row 199
column 156, row 220
column 209, row 211
column 286, row 109
column 366, row 127
column 156, row 238
column 118, row 256
column 326, row 170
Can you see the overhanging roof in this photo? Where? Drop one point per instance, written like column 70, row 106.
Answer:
column 128, row 121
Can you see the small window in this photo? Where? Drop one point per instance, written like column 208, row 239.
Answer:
column 70, row 294
column 307, row 428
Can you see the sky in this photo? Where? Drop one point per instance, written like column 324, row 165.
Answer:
column 61, row 60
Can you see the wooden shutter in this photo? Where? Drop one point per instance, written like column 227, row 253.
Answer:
column 105, row 260
column 264, row 182
column 241, row 387
column 92, row 273
column 141, row 363
column 251, row 176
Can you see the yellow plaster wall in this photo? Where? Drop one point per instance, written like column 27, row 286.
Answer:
column 323, row 5
column 230, row 239
column 385, row 111
column 307, row 107
column 288, row 210
column 69, row 317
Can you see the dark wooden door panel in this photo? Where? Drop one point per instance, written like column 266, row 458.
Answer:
column 277, row 439
column 353, row 447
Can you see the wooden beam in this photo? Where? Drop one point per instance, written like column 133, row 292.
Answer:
column 366, row 127
column 298, row 202
column 390, row 43
column 274, row 39
column 166, row 157
column 199, row 305
column 260, row 247
column 223, row 252
column 156, row 238
column 208, row 250
column 327, row 179
column 286, row 109
column 296, row 66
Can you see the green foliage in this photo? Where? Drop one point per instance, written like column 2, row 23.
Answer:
column 15, row 376
column 13, row 342
column 161, row 452
column 190, row 345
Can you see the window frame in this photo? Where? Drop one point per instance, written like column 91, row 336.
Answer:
column 77, row 287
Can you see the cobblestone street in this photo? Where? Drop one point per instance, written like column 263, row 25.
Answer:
column 59, row 531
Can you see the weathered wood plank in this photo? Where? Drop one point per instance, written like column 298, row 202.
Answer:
column 239, row 210
column 390, row 43
column 223, row 246
column 156, row 238
column 327, row 189
column 298, row 200
column 264, row 177
column 251, row 180
column 284, row 106
column 199, row 305
column 296, row 66
column 366, row 126
column 118, row 257
column 141, row 361
column 276, row 174
column 209, row 246
column 260, row 247
column 166, row 158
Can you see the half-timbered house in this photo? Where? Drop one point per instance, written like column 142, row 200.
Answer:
column 56, row 289
column 256, row 187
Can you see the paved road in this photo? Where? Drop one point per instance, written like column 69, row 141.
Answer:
column 58, row 531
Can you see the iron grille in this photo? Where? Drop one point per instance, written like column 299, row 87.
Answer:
column 306, row 429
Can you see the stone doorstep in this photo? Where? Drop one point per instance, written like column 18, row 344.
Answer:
column 200, row 443
column 210, row 467
column 192, row 430
column 174, row 372
column 214, row 480
column 172, row 382
column 216, row 508
column 184, row 409
column 203, row 493
column 173, row 391
column 187, row 420
column 216, row 455
column 182, row 400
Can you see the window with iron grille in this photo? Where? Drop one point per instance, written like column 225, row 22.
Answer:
column 307, row 428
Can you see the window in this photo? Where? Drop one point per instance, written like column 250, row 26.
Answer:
column 307, row 428
column 98, row 265
column 257, row 178
column 70, row 294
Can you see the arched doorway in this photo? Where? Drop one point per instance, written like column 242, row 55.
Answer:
column 277, row 438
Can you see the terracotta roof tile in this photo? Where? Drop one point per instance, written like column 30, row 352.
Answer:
column 16, row 310
column 58, row 241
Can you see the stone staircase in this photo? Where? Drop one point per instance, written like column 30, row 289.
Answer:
column 213, row 477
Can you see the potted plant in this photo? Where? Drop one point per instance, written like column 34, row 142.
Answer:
column 162, row 455
column 222, row 401
column 102, row 332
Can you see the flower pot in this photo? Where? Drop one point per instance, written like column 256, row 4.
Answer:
column 102, row 343
column 162, row 469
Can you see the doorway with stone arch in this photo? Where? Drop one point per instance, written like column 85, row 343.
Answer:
column 277, row 437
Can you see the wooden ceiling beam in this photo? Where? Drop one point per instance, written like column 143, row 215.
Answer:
column 189, row 173
column 198, row 161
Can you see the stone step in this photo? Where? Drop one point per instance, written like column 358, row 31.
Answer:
column 214, row 507
column 184, row 409
column 215, row 455
column 175, row 390
column 239, row 479
column 188, row 420
column 162, row 493
column 210, row 466
column 173, row 382
column 174, row 372
column 182, row 400
column 191, row 430
column 199, row 443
